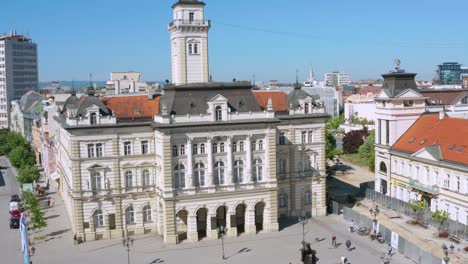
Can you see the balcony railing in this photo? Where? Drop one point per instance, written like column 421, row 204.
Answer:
column 184, row 22
column 423, row 187
column 221, row 188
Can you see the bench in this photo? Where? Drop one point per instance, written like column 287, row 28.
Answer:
column 455, row 239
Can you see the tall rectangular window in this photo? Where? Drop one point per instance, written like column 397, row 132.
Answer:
column 310, row 136
column 304, row 137
column 282, row 138
column 127, row 148
column 99, row 150
column 90, row 150
column 191, row 16
column 458, row 184
column 379, row 127
column 144, row 147
column 387, row 134
column 447, row 181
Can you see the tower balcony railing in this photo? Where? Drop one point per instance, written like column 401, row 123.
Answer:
column 187, row 22
column 434, row 189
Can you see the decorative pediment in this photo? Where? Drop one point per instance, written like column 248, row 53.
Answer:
column 409, row 93
column 146, row 164
column 96, row 166
column 282, row 152
column 218, row 99
column 382, row 94
column 193, row 41
column 128, row 165
column 430, row 153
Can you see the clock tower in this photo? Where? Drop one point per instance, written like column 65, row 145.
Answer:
column 189, row 42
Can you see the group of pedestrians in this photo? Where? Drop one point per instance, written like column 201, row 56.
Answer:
column 344, row 259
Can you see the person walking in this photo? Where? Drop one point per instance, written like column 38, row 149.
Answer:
column 389, row 249
column 348, row 244
column 344, row 260
column 334, row 240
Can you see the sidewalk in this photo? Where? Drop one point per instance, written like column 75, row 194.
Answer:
column 416, row 234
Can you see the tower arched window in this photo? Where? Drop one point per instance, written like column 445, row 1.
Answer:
column 219, row 172
column 238, row 171
column 218, row 113
column 241, row 146
column 195, row 48
column 195, row 149
column 199, row 173
column 258, row 170
column 175, row 151
column 306, row 108
column 179, row 176
column 383, row 167
column 129, row 215
column 215, row 148
column 93, row 118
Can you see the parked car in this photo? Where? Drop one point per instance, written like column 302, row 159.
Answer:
column 13, row 206
column 15, row 214
column 14, row 222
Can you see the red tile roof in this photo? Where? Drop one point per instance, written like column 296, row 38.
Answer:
column 132, row 107
column 370, row 89
column 451, row 134
column 277, row 98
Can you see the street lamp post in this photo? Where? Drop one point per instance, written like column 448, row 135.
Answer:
column 303, row 221
column 127, row 242
column 222, row 232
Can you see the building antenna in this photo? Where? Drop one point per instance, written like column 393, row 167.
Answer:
column 73, row 87
column 254, row 79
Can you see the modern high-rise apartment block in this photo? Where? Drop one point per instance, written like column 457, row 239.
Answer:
column 18, row 71
column 337, row 78
column 451, row 72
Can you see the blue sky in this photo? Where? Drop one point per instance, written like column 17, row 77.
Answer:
column 271, row 38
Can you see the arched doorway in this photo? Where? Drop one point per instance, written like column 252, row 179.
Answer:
column 240, row 218
column 259, row 211
column 202, row 214
column 181, row 225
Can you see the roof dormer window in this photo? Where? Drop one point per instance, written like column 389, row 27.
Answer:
column 218, row 113
column 93, row 118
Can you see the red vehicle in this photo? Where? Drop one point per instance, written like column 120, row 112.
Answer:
column 15, row 214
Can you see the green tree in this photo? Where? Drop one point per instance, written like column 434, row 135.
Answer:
column 440, row 216
column 11, row 140
column 417, row 206
column 32, row 205
column 27, row 174
column 367, row 151
column 21, row 156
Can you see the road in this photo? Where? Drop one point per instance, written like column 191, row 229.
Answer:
column 10, row 245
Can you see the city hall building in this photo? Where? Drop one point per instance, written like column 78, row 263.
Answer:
column 192, row 157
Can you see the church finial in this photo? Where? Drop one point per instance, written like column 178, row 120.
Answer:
column 297, row 85
column 91, row 91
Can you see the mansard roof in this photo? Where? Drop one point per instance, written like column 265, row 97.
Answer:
column 444, row 97
column 29, row 99
column 83, row 103
column 298, row 94
column 193, row 98
column 397, row 82
column 449, row 134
